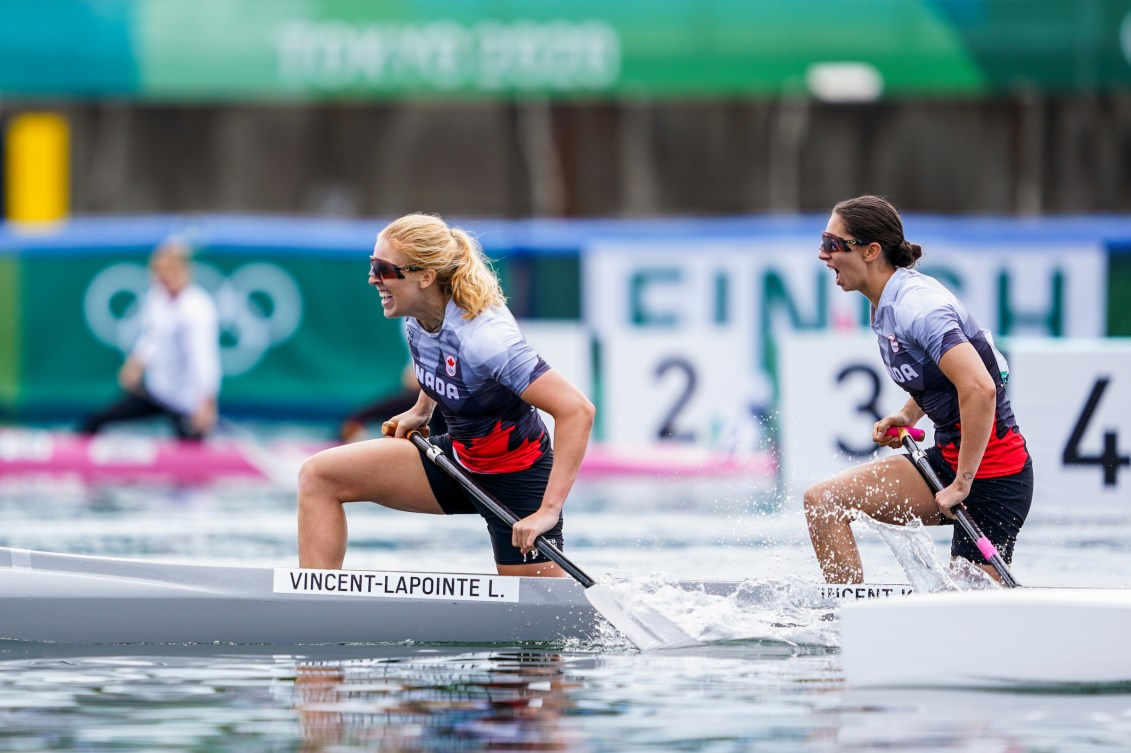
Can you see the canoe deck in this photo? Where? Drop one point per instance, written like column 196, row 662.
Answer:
column 78, row 599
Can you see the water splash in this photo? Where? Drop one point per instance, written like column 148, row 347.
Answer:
column 917, row 554
column 790, row 613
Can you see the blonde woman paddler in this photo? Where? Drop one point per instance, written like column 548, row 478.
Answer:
column 473, row 363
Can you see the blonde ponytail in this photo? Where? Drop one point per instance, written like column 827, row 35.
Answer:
column 474, row 285
column 462, row 269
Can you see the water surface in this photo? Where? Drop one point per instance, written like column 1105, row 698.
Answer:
column 783, row 691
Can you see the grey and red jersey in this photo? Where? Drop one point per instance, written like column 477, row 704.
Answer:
column 476, row 369
column 916, row 322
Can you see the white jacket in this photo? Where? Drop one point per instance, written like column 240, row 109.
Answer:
column 180, row 347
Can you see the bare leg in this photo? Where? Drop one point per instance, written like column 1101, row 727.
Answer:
column 889, row 490
column 541, row 569
column 987, row 568
column 386, row 471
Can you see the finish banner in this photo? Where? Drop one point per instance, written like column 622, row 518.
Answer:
column 691, row 332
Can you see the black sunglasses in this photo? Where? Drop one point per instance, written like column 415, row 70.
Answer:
column 831, row 243
column 383, row 270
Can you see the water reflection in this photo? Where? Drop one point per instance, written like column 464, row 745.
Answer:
column 912, row 719
column 396, row 698
column 513, row 700
column 439, row 698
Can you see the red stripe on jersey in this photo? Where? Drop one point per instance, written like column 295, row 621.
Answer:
column 1003, row 457
column 489, row 454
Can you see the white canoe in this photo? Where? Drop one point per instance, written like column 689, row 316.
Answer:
column 1016, row 637
column 80, row 599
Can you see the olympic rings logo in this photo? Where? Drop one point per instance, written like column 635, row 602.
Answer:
column 259, row 306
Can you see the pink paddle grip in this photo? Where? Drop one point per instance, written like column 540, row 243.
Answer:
column 986, row 548
column 916, row 433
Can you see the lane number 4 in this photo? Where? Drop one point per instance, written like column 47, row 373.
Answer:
column 1109, row 458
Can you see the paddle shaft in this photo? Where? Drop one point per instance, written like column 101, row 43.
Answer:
column 960, row 512
column 551, row 551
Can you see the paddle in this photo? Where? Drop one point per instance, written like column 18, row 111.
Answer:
column 644, row 626
column 985, row 546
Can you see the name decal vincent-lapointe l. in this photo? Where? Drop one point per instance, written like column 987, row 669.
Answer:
column 396, row 585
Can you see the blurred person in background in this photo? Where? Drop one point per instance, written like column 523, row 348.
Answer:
column 473, row 362
column 173, row 369
column 935, row 350
column 353, row 426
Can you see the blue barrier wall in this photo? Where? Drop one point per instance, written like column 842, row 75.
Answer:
column 55, row 362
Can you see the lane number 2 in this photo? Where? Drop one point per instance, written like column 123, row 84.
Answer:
column 668, row 431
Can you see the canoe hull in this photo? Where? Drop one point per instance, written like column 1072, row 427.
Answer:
column 75, row 599
column 1017, row 637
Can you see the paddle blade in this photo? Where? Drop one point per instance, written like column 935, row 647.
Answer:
column 642, row 625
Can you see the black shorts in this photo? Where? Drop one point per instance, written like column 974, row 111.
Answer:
column 520, row 492
column 998, row 505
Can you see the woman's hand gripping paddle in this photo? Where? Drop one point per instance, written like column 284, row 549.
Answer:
column 642, row 625
column 908, row 436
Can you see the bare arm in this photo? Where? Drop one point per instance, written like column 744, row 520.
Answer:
column 977, row 403
column 204, row 361
column 573, row 421
column 204, row 418
column 129, row 376
column 413, row 419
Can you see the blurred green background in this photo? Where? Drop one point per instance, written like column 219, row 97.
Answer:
column 286, row 133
